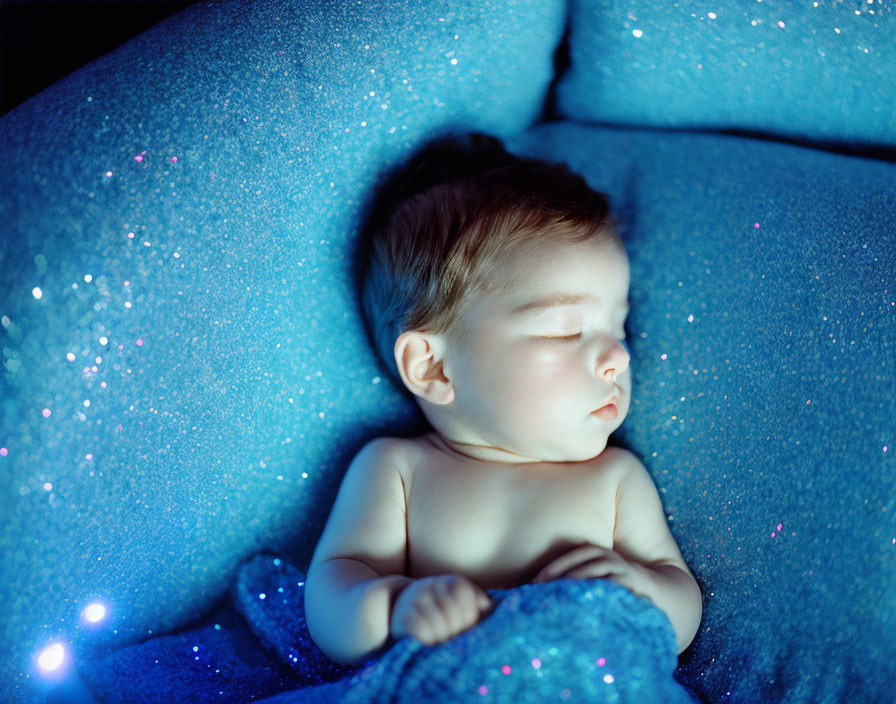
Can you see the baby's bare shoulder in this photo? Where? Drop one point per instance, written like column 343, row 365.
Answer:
column 384, row 453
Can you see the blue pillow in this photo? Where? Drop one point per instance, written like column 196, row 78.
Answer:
column 763, row 342
column 185, row 372
column 823, row 71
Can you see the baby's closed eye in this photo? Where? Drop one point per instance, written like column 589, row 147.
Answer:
column 572, row 336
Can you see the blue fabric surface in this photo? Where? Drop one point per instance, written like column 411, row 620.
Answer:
column 220, row 377
column 824, row 71
column 186, row 209
column 567, row 640
column 763, row 341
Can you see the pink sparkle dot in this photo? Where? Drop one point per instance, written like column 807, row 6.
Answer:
column 601, row 662
column 174, row 160
column 809, row 401
column 885, row 448
column 88, row 456
column 121, row 347
column 773, row 534
column 536, row 663
column 483, row 690
column 109, row 174
column 140, row 342
column 756, row 225
column 46, row 412
column 780, row 526
column 506, row 669
column 3, row 452
column 103, row 384
column 138, row 158
column 663, row 356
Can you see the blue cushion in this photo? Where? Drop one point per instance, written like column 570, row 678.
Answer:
column 185, row 369
column 763, row 290
column 822, row 71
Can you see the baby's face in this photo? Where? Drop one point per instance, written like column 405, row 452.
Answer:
column 531, row 377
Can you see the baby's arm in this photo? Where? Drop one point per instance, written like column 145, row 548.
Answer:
column 641, row 535
column 645, row 558
column 358, row 566
column 357, row 593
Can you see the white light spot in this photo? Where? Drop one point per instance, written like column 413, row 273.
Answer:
column 781, row 24
column 88, row 278
column 712, row 15
column 48, row 486
column 37, row 293
column 94, row 612
column 104, row 340
column 638, row 33
column 70, row 357
column 51, row 657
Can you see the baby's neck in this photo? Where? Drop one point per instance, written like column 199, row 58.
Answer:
column 482, row 453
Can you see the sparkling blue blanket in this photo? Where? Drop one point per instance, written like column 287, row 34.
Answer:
column 566, row 640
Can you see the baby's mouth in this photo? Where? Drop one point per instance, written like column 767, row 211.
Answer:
column 608, row 412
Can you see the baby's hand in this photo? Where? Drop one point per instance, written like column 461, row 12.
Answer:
column 592, row 561
column 434, row 609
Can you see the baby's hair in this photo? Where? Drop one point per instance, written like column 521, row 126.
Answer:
column 446, row 223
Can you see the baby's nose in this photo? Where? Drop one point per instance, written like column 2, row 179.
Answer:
column 613, row 361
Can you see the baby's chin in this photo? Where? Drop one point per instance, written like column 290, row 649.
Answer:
column 595, row 445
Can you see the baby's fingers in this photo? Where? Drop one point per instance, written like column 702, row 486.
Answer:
column 591, row 570
column 573, row 559
column 430, row 624
column 462, row 602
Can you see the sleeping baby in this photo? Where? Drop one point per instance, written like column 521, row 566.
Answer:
column 498, row 299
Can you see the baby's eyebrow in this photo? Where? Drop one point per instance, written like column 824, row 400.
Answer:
column 560, row 299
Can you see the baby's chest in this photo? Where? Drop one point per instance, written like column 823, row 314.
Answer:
column 499, row 529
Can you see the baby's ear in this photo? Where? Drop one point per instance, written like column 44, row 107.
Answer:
column 419, row 357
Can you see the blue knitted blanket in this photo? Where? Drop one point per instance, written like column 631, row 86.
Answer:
column 566, row 640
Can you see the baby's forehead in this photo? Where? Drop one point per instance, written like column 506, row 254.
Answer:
column 520, row 267
column 537, row 281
